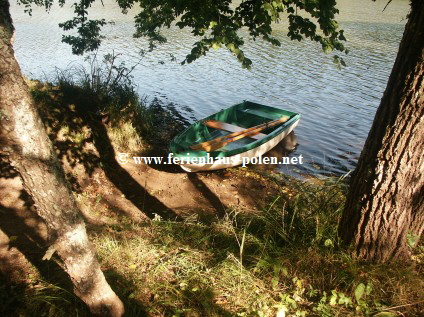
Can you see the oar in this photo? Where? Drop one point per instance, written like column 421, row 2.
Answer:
column 224, row 140
column 219, row 145
column 243, row 133
column 230, row 128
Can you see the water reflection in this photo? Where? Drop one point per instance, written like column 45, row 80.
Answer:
column 281, row 150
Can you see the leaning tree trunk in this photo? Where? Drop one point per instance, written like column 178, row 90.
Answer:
column 385, row 204
column 30, row 151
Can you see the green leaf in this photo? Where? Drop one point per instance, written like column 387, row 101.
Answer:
column 368, row 289
column 267, row 6
column 328, row 243
column 292, row 302
column 327, row 48
column 359, row 291
column 216, row 46
column 225, row 20
column 274, row 282
column 385, row 314
column 333, row 299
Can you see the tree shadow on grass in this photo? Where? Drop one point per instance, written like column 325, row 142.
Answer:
column 24, row 242
column 220, row 240
column 196, row 298
column 202, row 298
column 10, row 297
column 168, row 292
column 24, row 297
column 183, row 284
column 74, row 126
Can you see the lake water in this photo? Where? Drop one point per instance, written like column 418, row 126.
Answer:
column 337, row 106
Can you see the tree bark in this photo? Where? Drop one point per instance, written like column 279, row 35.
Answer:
column 24, row 139
column 385, row 203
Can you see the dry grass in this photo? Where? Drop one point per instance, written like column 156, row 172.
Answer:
column 240, row 265
column 125, row 138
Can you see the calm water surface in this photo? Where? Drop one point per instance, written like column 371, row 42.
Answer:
column 338, row 106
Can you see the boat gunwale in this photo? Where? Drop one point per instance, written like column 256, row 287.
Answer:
column 224, row 153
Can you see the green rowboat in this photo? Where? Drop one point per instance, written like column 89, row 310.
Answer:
column 231, row 137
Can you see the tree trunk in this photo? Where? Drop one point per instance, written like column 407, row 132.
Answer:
column 385, row 203
column 25, row 141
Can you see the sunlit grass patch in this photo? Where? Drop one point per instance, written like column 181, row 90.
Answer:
column 181, row 275
column 125, row 138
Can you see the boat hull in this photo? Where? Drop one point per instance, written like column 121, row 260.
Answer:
column 238, row 159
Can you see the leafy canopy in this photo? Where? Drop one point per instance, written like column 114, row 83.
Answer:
column 215, row 23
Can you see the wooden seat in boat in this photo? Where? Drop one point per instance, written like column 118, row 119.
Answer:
column 231, row 128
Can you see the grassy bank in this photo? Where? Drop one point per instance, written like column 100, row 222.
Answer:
column 285, row 257
column 281, row 259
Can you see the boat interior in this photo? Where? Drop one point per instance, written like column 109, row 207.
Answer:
column 238, row 121
column 233, row 120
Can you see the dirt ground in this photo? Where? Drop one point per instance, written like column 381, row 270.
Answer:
column 176, row 193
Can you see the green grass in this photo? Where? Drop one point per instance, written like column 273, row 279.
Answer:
column 285, row 257
column 102, row 91
column 38, row 298
column 243, row 265
column 105, row 87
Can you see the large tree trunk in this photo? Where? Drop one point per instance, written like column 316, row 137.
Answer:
column 30, row 151
column 385, row 203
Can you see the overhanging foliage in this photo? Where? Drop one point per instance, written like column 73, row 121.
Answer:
column 215, row 23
